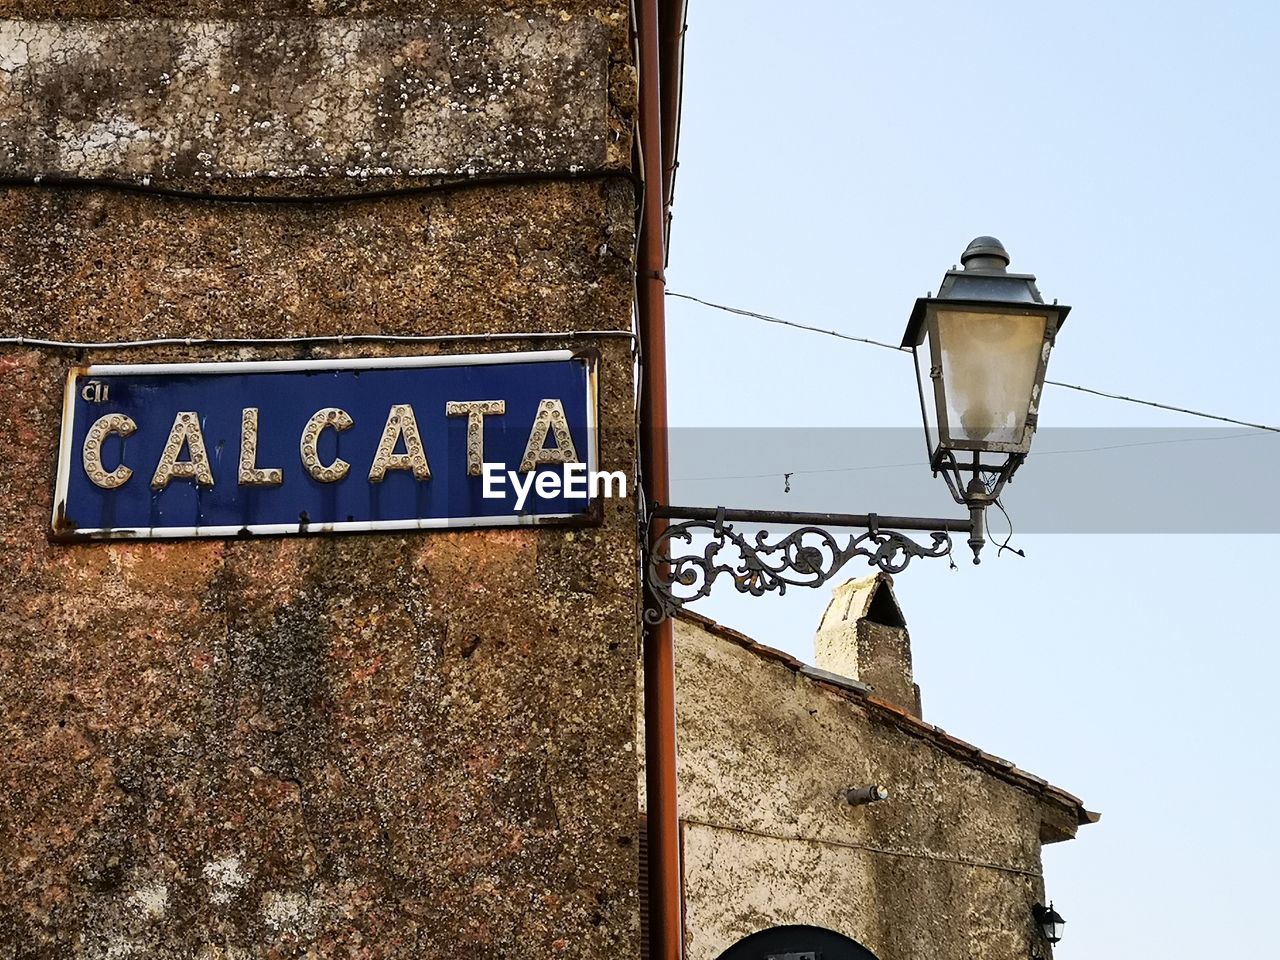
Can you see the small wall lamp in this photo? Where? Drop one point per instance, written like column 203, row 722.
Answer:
column 1050, row 921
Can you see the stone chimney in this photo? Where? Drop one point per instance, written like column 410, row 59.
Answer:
column 863, row 636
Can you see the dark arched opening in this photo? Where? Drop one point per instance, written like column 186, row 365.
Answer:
column 797, row 943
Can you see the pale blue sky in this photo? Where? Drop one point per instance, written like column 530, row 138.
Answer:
column 836, row 157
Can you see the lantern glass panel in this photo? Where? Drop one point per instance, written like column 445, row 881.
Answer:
column 1051, row 922
column 989, row 361
column 1053, row 930
column 927, row 408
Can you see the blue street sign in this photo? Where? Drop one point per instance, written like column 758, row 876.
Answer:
column 321, row 446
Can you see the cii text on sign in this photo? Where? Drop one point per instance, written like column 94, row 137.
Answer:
column 317, row 446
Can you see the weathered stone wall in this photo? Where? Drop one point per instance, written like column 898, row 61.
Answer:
column 306, row 98
column 946, row 869
column 364, row 746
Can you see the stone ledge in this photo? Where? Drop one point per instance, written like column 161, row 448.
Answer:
column 200, row 101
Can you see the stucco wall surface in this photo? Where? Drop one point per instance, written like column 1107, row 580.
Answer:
column 363, row 746
column 946, row 869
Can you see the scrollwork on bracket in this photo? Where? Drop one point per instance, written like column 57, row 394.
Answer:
column 806, row 557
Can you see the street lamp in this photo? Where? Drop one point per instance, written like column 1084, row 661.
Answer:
column 1050, row 921
column 990, row 334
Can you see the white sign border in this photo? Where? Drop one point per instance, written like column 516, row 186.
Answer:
column 61, row 534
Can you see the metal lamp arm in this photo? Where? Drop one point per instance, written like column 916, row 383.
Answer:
column 806, row 557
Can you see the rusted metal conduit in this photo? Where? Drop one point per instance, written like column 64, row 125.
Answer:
column 672, row 15
column 657, row 155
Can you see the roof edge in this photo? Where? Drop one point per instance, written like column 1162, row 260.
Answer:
column 907, row 722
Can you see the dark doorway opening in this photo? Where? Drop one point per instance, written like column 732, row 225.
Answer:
column 797, row 943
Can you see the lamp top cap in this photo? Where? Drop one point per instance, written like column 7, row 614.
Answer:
column 1047, row 914
column 985, row 253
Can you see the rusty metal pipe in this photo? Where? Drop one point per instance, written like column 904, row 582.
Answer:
column 671, row 17
column 858, row 796
column 665, row 913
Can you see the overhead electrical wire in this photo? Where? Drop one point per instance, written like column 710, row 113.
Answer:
column 785, row 323
column 1165, row 406
column 146, row 187
column 739, row 311
column 923, row 463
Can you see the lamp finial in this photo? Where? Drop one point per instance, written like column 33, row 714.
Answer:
column 985, row 253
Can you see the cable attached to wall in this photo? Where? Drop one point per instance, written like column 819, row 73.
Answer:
column 146, row 187
column 869, row 848
column 336, row 339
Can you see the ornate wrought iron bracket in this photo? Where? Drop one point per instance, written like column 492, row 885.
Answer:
column 806, row 557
